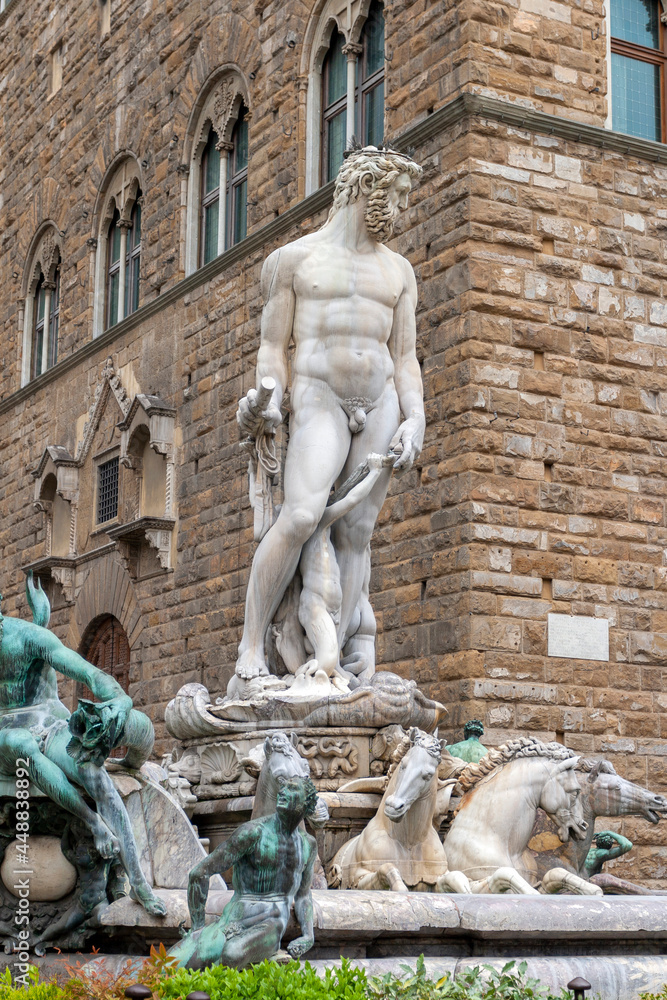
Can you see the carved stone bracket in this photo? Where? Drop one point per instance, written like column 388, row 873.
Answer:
column 62, row 569
column 157, row 531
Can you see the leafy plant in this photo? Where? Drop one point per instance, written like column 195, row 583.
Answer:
column 104, row 984
column 476, row 983
column 269, row 981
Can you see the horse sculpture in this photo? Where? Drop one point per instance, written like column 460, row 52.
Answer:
column 400, row 848
column 494, row 821
column 603, row 793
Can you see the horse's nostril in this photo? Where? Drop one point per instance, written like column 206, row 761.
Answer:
column 583, row 825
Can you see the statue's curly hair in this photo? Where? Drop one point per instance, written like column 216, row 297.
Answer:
column 307, row 791
column 367, row 170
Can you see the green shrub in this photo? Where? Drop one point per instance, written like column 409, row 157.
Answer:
column 293, row 981
column 267, row 981
column 477, row 983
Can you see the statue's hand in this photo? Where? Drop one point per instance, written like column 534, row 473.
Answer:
column 115, row 713
column 407, row 442
column 252, row 419
column 299, row 946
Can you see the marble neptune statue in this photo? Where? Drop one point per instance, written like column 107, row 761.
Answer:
column 348, row 304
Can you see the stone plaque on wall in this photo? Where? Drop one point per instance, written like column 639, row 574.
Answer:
column 578, row 637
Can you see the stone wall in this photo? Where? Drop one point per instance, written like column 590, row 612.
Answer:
column 542, row 335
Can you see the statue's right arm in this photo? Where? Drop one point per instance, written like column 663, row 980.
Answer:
column 223, row 857
column 277, row 285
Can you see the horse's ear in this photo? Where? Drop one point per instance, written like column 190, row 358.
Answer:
column 413, row 734
column 567, row 765
column 294, row 740
column 268, row 747
column 443, row 744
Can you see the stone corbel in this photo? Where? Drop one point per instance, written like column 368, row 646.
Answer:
column 156, row 531
column 160, row 540
column 66, row 577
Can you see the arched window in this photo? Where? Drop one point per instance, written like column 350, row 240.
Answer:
column 238, row 180
column 42, row 308
column 123, row 244
column 217, row 195
column 344, row 58
column 117, row 246
column 638, row 67
column 210, row 199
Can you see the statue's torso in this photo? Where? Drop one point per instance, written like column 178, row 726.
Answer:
column 28, row 685
column 343, row 318
column 275, row 865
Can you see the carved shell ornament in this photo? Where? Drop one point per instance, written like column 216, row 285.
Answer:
column 220, row 764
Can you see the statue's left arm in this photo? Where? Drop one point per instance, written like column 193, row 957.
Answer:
column 70, row 664
column 303, row 904
column 408, row 439
column 225, row 856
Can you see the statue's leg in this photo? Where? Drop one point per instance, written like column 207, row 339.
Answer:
column 453, row 882
column 319, row 442
column 351, row 534
column 386, row 877
column 559, row 879
column 320, row 629
column 97, row 782
column 508, row 880
column 51, row 779
column 253, row 945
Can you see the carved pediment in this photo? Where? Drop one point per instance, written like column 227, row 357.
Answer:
column 109, row 382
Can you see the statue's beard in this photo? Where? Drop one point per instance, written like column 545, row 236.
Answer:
column 380, row 216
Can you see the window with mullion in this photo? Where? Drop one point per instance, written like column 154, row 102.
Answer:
column 113, row 269
column 54, row 320
column 638, row 60
column 133, row 260
column 210, row 200
column 237, row 183
column 372, row 77
column 38, row 329
column 334, row 104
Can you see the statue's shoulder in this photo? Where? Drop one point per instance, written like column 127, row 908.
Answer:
column 402, row 262
column 281, row 264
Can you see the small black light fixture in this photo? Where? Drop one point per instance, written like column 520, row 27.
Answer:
column 579, row 987
column 137, row 991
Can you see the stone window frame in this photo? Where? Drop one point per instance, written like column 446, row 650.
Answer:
column 121, row 189
column 216, row 108
column 44, row 261
column 348, row 18
column 655, row 57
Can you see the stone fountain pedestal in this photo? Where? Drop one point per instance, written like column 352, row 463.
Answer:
column 618, row 943
column 348, row 741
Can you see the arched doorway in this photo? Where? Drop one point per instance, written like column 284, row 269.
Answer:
column 105, row 645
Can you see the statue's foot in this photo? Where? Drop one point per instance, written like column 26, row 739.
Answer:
column 250, row 665
column 105, row 842
column 150, row 902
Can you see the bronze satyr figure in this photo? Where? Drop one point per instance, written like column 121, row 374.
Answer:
column 273, row 867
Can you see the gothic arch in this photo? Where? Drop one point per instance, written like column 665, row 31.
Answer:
column 107, row 590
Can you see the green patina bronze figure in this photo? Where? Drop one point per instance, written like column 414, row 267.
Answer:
column 470, row 749
column 64, row 755
column 608, row 845
column 273, row 867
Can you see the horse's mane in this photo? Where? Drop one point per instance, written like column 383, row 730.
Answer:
column 429, row 743
column 524, row 746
